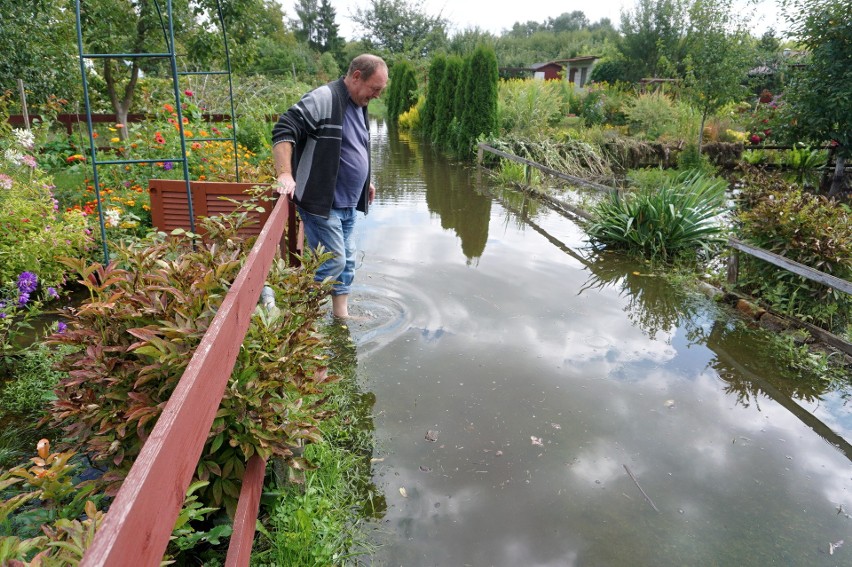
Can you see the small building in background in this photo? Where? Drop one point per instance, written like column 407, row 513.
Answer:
column 577, row 70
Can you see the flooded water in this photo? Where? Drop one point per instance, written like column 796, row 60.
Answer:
column 537, row 404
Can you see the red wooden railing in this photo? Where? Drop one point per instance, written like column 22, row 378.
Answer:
column 137, row 527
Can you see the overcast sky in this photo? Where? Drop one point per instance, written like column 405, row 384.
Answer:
column 498, row 15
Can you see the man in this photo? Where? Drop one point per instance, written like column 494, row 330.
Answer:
column 321, row 150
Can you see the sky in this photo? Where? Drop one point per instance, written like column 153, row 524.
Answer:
column 498, row 15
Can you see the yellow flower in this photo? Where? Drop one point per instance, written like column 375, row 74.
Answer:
column 114, row 140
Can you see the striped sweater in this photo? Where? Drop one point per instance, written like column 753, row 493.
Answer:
column 314, row 126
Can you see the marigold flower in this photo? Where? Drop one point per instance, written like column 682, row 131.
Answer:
column 114, row 140
column 94, row 134
column 168, row 107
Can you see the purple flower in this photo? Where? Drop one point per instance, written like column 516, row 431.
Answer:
column 61, row 326
column 51, row 293
column 2, row 315
column 23, row 299
column 27, row 283
column 168, row 166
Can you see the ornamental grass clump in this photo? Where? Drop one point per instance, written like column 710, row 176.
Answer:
column 676, row 218
column 147, row 312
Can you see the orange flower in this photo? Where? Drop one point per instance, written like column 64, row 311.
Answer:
column 168, row 107
column 119, row 125
column 94, row 134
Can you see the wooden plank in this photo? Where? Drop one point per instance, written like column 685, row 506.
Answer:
column 792, row 266
column 137, row 527
column 553, row 172
column 245, row 520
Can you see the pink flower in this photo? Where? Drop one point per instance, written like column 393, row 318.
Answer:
column 188, row 92
column 29, row 161
column 5, row 181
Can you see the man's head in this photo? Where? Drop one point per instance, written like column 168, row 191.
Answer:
column 366, row 78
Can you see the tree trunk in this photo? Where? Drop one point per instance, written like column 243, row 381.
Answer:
column 838, row 182
column 701, row 131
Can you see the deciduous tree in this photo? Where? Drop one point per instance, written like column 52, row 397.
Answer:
column 818, row 102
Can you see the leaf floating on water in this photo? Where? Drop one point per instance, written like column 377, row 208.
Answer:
column 377, row 460
column 403, row 492
column 833, row 546
column 555, row 426
column 425, row 469
column 669, row 403
column 431, row 436
column 536, row 440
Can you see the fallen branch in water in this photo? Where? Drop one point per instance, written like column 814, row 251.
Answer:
column 648, row 498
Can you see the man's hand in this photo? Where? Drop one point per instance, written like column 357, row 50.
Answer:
column 286, row 185
column 372, row 194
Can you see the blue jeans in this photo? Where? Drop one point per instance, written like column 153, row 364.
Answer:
column 335, row 235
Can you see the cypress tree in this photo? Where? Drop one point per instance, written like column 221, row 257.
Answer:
column 445, row 101
column 436, row 76
column 479, row 108
column 392, row 101
column 455, row 141
column 402, row 93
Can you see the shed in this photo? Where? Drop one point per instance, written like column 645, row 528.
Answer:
column 577, row 70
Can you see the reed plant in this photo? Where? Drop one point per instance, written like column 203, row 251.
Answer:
column 676, row 218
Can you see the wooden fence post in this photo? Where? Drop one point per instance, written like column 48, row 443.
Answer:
column 24, row 104
column 733, row 267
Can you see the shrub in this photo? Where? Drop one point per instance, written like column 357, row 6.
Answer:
column 808, row 229
column 650, row 115
column 528, row 105
column 30, row 387
column 147, row 312
column 676, row 218
column 33, row 232
column 410, row 119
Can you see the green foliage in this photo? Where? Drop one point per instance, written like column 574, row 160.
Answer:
column 402, row 93
column 568, row 154
column 146, row 313
column 445, row 101
column 805, row 228
column 478, row 116
column 33, row 232
column 514, row 173
column 718, row 59
column 652, row 38
column 528, row 105
column 689, row 159
column 805, row 162
column 433, row 84
column 676, row 218
column 316, row 521
column 401, row 27
column 651, row 116
column 818, row 101
column 36, row 40
column 30, row 387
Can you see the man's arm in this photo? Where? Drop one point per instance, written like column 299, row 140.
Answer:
column 282, row 157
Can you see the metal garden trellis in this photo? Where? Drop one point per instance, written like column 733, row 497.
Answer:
column 170, row 54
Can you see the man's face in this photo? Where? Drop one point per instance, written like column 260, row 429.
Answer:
column 362, row 91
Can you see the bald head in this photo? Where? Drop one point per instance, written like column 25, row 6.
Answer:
column 367, row 64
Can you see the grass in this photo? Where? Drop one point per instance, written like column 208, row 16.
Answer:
column 317, row 522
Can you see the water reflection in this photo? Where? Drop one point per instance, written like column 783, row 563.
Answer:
column 543, row 372
column 450, row 193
